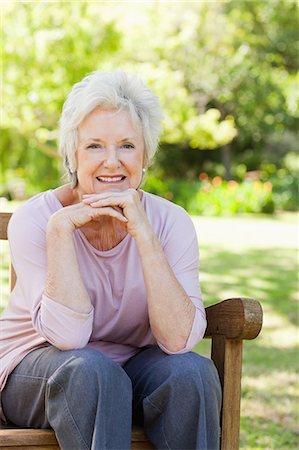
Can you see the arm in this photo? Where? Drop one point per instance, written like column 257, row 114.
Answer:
column 51, row 320
column 60, row 319
column 171, row 312
column 63, row 281
column 175, row 309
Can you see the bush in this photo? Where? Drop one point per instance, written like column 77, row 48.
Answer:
column 215, row 197
column 218, row 197
column 285, row 182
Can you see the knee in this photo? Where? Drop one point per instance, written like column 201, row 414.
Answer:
column 195, row 365
column 192, row 371
column 88, row 369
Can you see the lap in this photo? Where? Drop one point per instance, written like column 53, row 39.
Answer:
column 154, row 363
column 43, row 362
column 26, row 387
column 174, row 379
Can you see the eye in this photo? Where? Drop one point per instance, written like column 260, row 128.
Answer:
column 93, row 146
column 128, row 146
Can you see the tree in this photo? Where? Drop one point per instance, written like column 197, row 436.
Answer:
column 46, row 49
column 225, row 73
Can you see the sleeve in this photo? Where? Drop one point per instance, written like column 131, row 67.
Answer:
column 57, row 324
column 180, row 245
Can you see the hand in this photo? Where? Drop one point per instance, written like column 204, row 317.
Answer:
column 129, row 203
column 75, row 216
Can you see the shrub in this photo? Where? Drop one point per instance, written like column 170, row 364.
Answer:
column 285, row 182
column 215, row 196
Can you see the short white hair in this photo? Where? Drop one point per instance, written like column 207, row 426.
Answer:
column 108, row 90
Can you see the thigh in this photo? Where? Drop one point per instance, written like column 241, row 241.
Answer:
column 152, row 368
column 24, row 397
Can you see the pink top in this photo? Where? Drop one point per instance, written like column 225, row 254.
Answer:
column 118, row 324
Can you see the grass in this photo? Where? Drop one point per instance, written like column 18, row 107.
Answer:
column 258, row 258
column 252, row 257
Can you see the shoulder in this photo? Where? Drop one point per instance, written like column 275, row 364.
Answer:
column 165, row 215
column 158, row 205
column 34, row 214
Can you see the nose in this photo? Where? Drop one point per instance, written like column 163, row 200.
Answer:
column 111, row 158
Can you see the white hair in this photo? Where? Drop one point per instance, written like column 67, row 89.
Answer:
column 108, row 90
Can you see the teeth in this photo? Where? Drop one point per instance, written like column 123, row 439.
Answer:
column 110, row 179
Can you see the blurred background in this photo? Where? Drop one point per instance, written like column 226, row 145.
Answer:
column 226, row 73
column 227, row 76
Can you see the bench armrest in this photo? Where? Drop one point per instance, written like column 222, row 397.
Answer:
column 234, row 318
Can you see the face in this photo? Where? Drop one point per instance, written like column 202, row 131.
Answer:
column 110, row 152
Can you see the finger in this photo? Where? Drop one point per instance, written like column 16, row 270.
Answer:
column 120, row 210
column 107, row 201
column 92, row 199
column 107, row 194
column 115, row 202
column 121, row 199
column 108, row 211
column 101, row 195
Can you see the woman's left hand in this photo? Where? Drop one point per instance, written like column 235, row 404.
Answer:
column 129, row 202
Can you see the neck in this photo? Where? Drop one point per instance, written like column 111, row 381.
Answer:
column 104, row 233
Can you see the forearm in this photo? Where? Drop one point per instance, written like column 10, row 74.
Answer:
column 171, row 312
column 63, row 280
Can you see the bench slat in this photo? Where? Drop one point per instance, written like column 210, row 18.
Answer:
column 42, row 439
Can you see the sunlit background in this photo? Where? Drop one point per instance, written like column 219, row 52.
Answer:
column 227, row 76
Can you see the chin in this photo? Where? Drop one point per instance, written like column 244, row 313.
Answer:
column 110, row 187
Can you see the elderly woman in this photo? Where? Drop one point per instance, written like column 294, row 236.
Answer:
column 107, row 307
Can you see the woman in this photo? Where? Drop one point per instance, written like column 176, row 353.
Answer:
column 107, row 307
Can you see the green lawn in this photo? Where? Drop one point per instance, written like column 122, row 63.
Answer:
column 253, row 257
column 258, row 258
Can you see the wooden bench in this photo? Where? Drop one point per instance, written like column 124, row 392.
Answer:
column 229, row 322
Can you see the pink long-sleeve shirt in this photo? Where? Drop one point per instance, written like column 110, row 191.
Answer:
column 118, row 324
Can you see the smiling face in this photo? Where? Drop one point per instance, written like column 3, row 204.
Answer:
column 110, row 152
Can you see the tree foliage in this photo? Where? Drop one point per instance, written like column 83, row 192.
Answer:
column 225, row 72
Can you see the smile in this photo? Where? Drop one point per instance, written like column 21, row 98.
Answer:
column 111, row 179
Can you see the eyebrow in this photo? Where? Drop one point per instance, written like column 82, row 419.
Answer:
column 92, row 139
column 100, row 140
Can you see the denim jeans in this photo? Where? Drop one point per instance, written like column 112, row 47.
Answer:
column 90, row 401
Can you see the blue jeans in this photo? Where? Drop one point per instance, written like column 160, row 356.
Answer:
column 90, row 401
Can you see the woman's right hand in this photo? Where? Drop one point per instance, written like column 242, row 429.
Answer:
column 76, row 216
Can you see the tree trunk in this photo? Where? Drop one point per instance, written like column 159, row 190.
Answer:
column 226, row 161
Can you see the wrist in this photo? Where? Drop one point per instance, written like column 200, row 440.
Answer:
column 59, row 227
column 146, row 239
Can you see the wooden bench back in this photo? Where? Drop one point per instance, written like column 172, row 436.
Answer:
column 4, row 219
